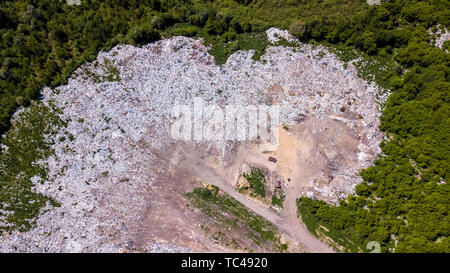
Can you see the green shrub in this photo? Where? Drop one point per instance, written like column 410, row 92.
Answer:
column 297, row 28
column 143, row 35
column 257, row 181
column 189, row 31
column 215, row 26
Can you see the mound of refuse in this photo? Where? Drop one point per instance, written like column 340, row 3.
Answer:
column 119, row 111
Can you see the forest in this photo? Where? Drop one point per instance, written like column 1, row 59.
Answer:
column 404, row 200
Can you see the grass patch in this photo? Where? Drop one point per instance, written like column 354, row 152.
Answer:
column 257, row 181
column 222, row 48
column 23, row 148
column 110, row 72
column 278, row 197
column 378, row 69
column 226, row 212
column 319, row 229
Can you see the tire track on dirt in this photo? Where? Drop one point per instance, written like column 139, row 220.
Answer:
column 291, row 225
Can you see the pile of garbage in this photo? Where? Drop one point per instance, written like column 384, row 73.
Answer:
column 102, row 174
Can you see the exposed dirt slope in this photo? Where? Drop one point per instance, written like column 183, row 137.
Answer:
column 188, row 160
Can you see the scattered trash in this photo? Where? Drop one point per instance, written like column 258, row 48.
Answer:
column 278, row 184
column 123, row 120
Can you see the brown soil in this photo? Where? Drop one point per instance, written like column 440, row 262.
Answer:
column 310, row 151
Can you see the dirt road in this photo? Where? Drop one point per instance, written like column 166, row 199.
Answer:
column 288, row 223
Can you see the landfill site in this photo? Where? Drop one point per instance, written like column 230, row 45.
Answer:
column 122, row 179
